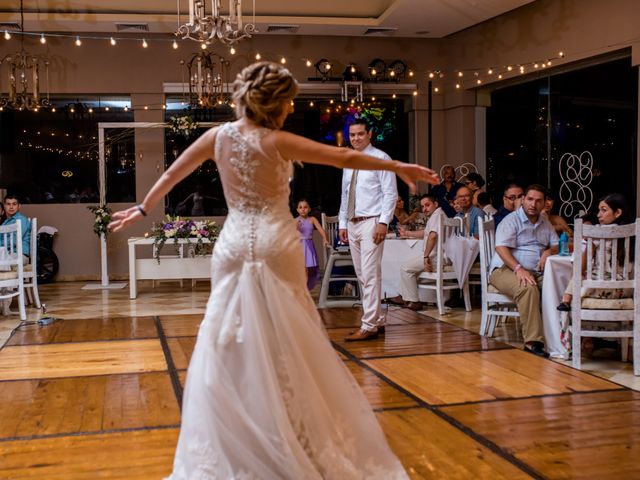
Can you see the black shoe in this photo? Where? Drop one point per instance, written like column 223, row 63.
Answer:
column 564, row 307
column 454, row 302
column 381, row 329
column 537, row 348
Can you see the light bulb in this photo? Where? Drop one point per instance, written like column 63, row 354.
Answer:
column 509, row 68
column 203, row 46
column 457, row 85
column 436, row 90
column 561, row 54
column 7, row 35
column 311, row 104
column 175, row 45
column 112, row 41
column 490, row 72
column 392, row 73
column 43, row 40
column 411, row 73
column 258, row 56
column 308, row 63
column 431, row 75
column 415, row 93
column 78, row 41
column 144, row 43
column 283, row 60
column 373, row 71
column 460, row 74
column 393, row 96
column 232, row 51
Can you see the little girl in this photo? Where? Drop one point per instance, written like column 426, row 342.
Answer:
column 306, row 224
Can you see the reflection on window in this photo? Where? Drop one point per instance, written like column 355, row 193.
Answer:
column 200, row 194
column 51, row 156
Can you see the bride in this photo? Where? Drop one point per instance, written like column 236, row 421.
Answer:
column 266, row 395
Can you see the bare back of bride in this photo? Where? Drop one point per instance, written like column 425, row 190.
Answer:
column 266, row 395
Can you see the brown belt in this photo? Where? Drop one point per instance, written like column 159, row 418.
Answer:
column 361, row 219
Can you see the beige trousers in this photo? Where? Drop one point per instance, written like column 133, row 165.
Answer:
column 367, row 261
column 526, row 297
column 409, row 272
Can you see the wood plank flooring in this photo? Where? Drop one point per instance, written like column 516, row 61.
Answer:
column 100, row 398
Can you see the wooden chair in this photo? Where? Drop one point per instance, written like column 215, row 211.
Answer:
column 31, row 268
column 602, row 244
column 494, row 304
column 444, row 277
column 340, row 257
column 11, row 267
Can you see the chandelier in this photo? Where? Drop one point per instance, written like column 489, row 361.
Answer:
column 207, row 73
column 207, row 28
column 24, row 77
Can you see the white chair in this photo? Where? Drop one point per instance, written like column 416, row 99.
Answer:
column 494, row 303
column 11, row 267
column 31, row 268
column 602, row 245
column 444, row 277
column 336, row 258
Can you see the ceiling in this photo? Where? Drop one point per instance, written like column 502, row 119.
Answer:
column 403, row 18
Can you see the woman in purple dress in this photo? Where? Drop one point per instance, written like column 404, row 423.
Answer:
column 306, row 224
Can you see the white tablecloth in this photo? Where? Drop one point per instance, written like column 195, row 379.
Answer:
column 396, row 252
column 557, row 273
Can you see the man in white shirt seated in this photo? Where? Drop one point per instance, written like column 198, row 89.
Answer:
column 524, row 240
column 410, row 270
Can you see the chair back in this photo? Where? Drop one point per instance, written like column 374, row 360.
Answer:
column 330, row 226
column 11, row 249
column 33, row 256
column 611, row 258
column 487, row 237
column 447, row 227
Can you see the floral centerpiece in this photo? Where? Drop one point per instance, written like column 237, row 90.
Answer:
column 183, row 125
column 103, row 217
column 176, row 228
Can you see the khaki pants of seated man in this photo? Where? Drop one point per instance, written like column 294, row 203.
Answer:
column 526, row 297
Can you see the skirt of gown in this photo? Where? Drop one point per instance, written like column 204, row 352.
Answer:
column 266, row 395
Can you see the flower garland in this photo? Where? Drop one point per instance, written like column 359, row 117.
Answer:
column 183, row 125
column 103, row 217
column 176, row 228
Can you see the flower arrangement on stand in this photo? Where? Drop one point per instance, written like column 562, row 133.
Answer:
column 176, row 228
column 183, row 125
column 103, row 217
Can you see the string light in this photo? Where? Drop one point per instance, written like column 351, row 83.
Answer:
column 78, row 41
column 283, row 60
column 43, row 40
column 144, row 43
column 521, row 68
column 175, row 45
column 393, row 96
column 411, row 73
column 311, row 104
column 7, row 35
column 460, row 74
column 112, row 41
column 509, row 68
column 490, row 71
column 203, row 46
column 436, row 90
column 561, row 54
column 415, row 92
column 500, row 76
column 431, row 75
column 308, row 63
column 457, row 85
column 232, row 51
column 478, row 81
column 258, row 56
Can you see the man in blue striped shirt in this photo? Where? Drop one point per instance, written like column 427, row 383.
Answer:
column 12, row 209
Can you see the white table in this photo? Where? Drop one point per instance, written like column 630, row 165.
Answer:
column 176, row 267
column 557, row 273
column 396, row 252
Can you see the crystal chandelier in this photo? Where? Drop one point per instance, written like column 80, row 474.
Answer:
column 207, row 28
column 207, row 79
column 24, row 77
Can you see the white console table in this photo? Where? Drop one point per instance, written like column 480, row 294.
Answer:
column 169, row 268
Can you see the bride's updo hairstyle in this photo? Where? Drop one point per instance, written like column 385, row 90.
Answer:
column 260, row 90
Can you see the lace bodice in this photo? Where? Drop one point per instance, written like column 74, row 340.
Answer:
column 255, row 179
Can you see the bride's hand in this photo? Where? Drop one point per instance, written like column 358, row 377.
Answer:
column 122, row 219
column 411, row 173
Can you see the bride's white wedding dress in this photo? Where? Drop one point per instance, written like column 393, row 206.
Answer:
column 266, row 395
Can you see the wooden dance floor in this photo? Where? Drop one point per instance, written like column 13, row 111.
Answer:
column 101, row 398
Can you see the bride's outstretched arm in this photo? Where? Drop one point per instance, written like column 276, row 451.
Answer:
column 302, row 149
column 198, row 152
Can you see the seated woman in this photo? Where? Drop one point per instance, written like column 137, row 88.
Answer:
column 400, row 216
column 559, row 223
column 612, row 210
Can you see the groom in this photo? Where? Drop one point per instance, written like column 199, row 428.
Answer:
column 366, row 208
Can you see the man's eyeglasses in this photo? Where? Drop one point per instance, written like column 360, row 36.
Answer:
column 513, row 198
column 463, row 196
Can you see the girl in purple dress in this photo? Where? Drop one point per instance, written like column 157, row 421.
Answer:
column 306, row 224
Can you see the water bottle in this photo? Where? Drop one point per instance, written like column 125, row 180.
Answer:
column 563, row 246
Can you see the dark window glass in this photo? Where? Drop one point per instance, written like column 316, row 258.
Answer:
column 551, row 130
column 51, row 156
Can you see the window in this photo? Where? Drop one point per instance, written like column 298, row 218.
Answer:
column 51, row 156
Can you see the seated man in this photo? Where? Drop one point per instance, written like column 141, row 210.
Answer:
column 524, row 240
column 409, row 271
column 512, row 199
column 467, row 211
column 12, row 210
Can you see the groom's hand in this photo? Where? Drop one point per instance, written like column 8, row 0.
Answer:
column 380, row 233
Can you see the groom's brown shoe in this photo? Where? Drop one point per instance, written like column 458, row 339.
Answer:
column 361, row 335
column 415, row 306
